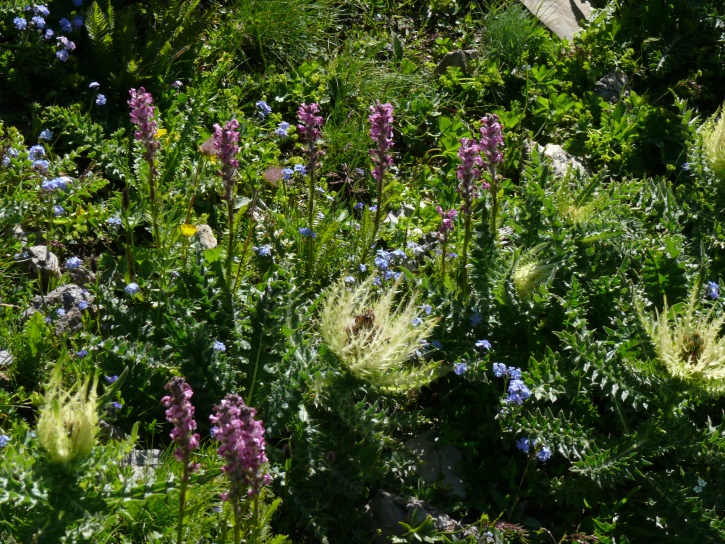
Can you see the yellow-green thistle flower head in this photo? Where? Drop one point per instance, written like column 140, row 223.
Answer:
column 689, row 345
column 68, row 420
column 529, row 272
column 374, row 335
column 713, row 140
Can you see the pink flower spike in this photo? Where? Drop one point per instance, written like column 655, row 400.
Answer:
column 181, row 414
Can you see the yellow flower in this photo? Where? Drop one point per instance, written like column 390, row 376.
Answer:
column 160, row 132
column 188, row 230
column 374, row 337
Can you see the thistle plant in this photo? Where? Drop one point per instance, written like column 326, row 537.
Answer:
column 689, row 344
column 381, row 132
column 373, row 337
column 142, row 115
column 490, row 144
column 529, row 271
column 180, row 413
column 713, row 139
column 68, row 420
column 309, row 129
column 225, row 145
column 243, row 450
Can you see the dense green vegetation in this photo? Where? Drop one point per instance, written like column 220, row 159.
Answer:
column 336, row 228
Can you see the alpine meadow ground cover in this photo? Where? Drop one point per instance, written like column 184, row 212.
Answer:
column 373, row 271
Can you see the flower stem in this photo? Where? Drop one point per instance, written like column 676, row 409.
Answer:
column 182, row 501
column 464, row 256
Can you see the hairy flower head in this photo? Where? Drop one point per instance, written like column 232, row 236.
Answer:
column 530, row 272
column 68, row 420
column 374, row 335
column 713, row 139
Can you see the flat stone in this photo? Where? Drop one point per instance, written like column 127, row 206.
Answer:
column 66, row 297
column 206, row 236
column 562, row 17
column 39, row 260
column 458, row 59
column 6, row 359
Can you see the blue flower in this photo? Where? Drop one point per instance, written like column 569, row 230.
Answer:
column 58, row 210
column 101, row 100
column 38, row 21
column 427, row 309
column 300, row 169
column 73, row 263
column 65, row 25
column 373, row 208
column 93, row 84
column 544, row 454
column 523, row 444
column 62, row 55
column 116, row 405
column 381, row 261
column 417, row 321
column 263, row 108
column 49, row 34
column 132, row 288
column 362, row 268
column 264, row 251
column 398, row 253
column 460, row 368
column 177, row 85
column 60, row 312
column 60, row 182
column 359, row 206
column 436, row 344
column 349, row 280
column 110, row 379
column 42, row 10
column 483, row 344
column 66, row 43
column 41, row 165
column 115, row 221
column 287, row 173
column 219, row 346
column 306, row 232
column 282, row 129
column 712, row 290
column 377, row 280
column 82, row 353
column 20, row 23
column 518, row 392
column 77, row 22
column 499, row 369
column 514, row 373
column 4, row 439
column 83, row 305
column 36, row 152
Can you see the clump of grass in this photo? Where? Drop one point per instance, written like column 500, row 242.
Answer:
column 510, row 34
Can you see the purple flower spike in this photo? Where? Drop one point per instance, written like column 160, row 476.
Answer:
column 142, row 115
column 309, row 128
column 181, row 414
column 469, row 172
column 225, row 144
column 491, row 139
column 242, row 447
column 447, row 224
column 381, row 131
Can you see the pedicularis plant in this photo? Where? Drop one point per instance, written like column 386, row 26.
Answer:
column 466, row 273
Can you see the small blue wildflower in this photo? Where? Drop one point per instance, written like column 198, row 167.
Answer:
column 41, row 165
column 20, row 23
column 60, row 312
column 377, row 280
column 373, row 208
column 686, row 166
column 349, row 280
column 65, row 25
column 287, row 173
column 513, row 373
column 389, row 275
column 83, row 305
column 177, row 85
column 282, row 129
column 263, row 251
column 4, row 439
column 42, row 10
column 483, row 344
column 712, row 290
column 417, row 249
column 58, row 210
column 62, row 55
column 518, row 392
column 82, row 353
column 132, row 288
column 66, row 43
column 116, row 405
column 46, row 134
column 476, row 319
column 73, row 263
column 460, row 368
column 111, row 379
column 219, row 346
column 398, row 254
column 48, row 320
column 359, row 206
column 49, row 34
column 77, row 22
column 544, row 454
column 307, row 233
column 499, row 369
column 93, row 84
column 363, row 268
column 523, row 444
column 115, row 221
column 427, row 309
column 417, row 321
column 300, row 169
column 436, row 344
column 101, row 100
column 213, row 431
column 38, row 21
column 452, row 255
column 36, row 152
column 263, row 108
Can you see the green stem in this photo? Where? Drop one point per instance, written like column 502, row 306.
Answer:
column 154, row 208
column 182, row 501
column 464, row 258
column 237, row 522
column 310, row 217
column 248, row 239
column 443, row 261
column 494, row 202
column 230, row 248
column 254, row 533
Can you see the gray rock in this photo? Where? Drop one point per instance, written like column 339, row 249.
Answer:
column 562, row 17
column 6, row 359
column 560, row 161
column 385, row 512
column 459, row 58
column 612, row 86
column 66, row 297
column 437, row 463
column 206, row 236
column 81, row 276
column 40, row 261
